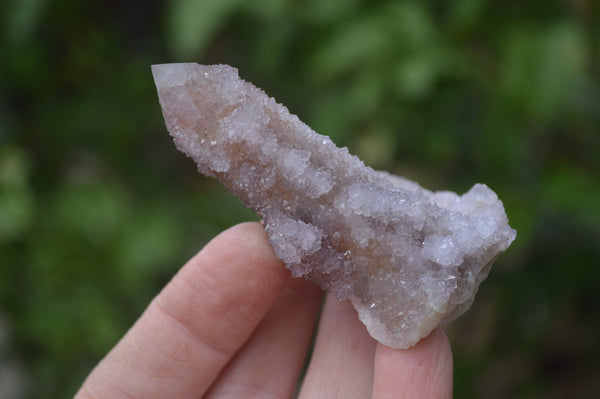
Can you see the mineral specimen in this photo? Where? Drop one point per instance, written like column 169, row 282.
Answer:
column 409, row 259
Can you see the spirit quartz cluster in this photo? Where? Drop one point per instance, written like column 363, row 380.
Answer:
column 407, row 258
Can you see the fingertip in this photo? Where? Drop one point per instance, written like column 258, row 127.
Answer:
column 241, row 237
column 227, row 287
column 247, row 240
column 424, row 370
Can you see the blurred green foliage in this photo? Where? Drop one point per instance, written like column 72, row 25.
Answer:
column 98, row 209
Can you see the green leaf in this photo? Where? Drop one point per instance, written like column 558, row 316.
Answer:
column 542, row 69
column 192, row 24
column 95, row 209
column 23, row 19
column 348, row 48
column 572, row 191
column 319, row 11
column 465, row 14
column 16, row 199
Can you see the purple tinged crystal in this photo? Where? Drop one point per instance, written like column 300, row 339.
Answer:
column 409, row 259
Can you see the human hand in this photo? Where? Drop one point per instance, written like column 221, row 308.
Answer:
column 233, row 324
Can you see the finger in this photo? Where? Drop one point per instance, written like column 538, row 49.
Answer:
column 268, row 366
column 423, row 371
column 194, row 326
column 342, row 361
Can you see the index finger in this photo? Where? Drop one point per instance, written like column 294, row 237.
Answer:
column 194, row 326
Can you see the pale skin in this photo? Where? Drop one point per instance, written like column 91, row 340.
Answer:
column 232, row 323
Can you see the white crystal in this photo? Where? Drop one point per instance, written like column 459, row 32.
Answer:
column 409, row 259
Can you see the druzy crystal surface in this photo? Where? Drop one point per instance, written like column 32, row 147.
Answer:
column 409, row 259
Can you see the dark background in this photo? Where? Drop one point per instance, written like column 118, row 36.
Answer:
column 98, row 209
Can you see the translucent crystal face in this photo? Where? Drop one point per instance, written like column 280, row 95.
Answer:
column 409, row 259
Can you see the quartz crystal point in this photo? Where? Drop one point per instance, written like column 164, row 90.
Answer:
column 409, row 259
